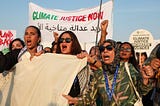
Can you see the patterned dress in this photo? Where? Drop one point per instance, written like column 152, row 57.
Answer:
column 123, row 95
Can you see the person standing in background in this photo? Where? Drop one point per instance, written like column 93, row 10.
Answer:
column 17, row 43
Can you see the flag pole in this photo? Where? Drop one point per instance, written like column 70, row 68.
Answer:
column 98, row 29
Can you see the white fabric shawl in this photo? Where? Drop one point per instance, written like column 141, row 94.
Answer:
column 42, row 81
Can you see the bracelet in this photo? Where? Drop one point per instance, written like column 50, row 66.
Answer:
column 95, row 61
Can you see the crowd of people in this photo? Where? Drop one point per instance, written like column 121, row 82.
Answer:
column 109, row 82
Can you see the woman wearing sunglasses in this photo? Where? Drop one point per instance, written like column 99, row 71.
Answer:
column 111, row 82
column 127, row 54
column 68, row 44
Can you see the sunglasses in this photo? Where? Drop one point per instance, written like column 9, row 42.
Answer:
column 109, row 48
column 125, row 49
column 67, row 40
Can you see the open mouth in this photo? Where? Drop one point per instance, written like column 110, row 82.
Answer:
column 106, row 57
column 64, row 47
column 28, row 42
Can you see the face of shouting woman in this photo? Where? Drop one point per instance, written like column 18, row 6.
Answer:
column 65, row 43
column 31, row 38
column 107, row 53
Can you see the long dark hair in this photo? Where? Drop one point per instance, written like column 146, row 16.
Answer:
column 132, row 59
column 76, row 47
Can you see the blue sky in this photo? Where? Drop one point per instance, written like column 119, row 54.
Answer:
column 128, row 15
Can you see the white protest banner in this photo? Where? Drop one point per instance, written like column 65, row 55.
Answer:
column 141, row 40
column 6, row 36
column 82, row 22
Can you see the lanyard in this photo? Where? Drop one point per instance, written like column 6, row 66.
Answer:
column 110, row 91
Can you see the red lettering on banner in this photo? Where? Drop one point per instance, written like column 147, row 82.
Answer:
column 80, row 18
column 95, row 15
column 6, row 38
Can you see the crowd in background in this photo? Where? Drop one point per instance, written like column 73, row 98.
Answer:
column 107, row 64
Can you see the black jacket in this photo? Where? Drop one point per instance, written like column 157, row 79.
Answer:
column 9, row 60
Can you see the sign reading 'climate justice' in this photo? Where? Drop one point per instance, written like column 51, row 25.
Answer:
column 141, row 40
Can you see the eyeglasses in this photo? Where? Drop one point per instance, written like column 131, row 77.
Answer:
column 67, row 40
column 125, row 49
column 109, row 48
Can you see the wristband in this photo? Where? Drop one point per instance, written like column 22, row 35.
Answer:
column 95, row 61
